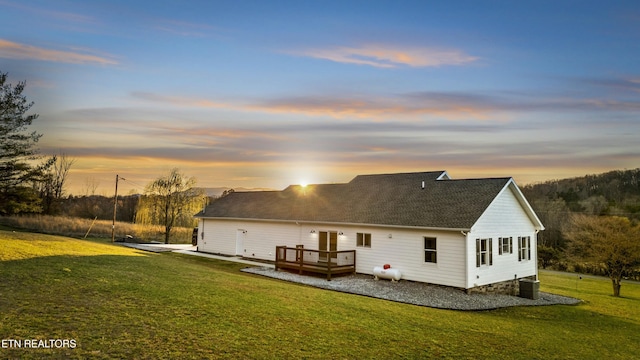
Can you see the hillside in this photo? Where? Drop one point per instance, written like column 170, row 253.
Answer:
column 611, row 193
column 217, row 191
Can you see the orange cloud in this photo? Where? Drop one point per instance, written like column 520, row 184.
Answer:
column 49, row 14
column 345, row 107
column 376, row 108
column 13, row 50
column 384, row 56
column 180, row 101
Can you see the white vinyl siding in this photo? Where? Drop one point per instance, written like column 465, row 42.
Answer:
column 259, row 241
column 403, row 249
column 504, row 218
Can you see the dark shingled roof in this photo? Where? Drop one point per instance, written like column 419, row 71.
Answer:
column 387, row 199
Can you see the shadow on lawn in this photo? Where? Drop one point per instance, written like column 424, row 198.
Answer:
column 133, row 306
column 96, row 300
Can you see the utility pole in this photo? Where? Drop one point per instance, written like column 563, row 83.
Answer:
column 115, row 207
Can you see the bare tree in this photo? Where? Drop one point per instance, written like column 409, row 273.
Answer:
column 90, row 186
column 170, row 200
column 52, row 185
column 60, row 174
column 609, row 241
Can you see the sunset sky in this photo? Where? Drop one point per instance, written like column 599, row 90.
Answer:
column 271, row 93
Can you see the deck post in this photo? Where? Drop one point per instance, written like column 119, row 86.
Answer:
column 329, row 266
column 301, row 259
column 354, row 261
column 278, row 255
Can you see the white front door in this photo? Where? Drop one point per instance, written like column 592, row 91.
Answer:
column 240, row 234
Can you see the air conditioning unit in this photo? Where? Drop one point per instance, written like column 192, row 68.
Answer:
column 529, row 289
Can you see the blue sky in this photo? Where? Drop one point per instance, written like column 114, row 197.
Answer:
column 272, row 93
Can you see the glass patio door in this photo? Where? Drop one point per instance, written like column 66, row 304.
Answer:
column 328, row 241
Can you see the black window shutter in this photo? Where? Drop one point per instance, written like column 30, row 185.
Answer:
column 490, row 251
column 519, row 248
column 477, row 252
column 510, row 245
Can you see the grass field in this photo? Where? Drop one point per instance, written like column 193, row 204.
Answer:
column 116, row 302
column 79, row 228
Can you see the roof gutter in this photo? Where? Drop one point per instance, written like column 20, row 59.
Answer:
column 338, row 223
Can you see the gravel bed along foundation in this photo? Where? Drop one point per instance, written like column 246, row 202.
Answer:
column 412, row 292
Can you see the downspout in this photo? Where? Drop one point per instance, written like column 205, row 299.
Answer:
column 201, row 235
column 466, row 263
column 537, row 231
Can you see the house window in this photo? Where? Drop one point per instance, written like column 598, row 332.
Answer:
column 505, row 245
column 524, row 248
column 484, row 252
column 363, row 240
column 430, row 251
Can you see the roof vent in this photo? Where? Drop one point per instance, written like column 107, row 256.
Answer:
column 422, row 184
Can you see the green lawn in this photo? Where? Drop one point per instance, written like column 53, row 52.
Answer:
column 116, row 302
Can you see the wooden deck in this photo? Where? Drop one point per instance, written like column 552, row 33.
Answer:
column 316, row 261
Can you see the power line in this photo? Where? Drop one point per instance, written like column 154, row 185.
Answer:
column 133, row 183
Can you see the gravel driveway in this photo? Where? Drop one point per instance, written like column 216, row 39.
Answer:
column 411, row 292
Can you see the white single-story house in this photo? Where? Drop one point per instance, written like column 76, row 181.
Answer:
column 473, row 234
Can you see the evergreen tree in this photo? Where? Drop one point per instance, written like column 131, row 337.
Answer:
column 17, row 151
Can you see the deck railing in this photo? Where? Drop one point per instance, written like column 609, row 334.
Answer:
column 315, row 261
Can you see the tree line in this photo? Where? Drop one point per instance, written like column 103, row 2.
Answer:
column 34, row 183
column 615, row 193
column 592, row 224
